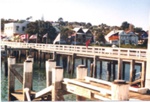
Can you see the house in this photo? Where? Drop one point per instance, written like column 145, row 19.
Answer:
column 11, row 29
column 88, row 34
column 82, row 35
column 116, row 37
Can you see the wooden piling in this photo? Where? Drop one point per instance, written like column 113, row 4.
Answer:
column 40, row 58
column 44, row 58
column 19, row 55
column 30, row 58
column 108, row 71
column 54, row 56
column 91, row 67
column 50, row 63
column 143, row 72
column 132, row 62
column 86, row 62
column 57, row 73
column 81, row 74
column 120, row 90
column 64, row 62
column 82, row 60
column 5, row 62
column 11, row 78
column 27, row 74
column 95, row 66
column 123, row 70
column 114, row 70
column 119, row 68
column 58, row 60
column 73, row 64
column 69, row 64
column 91, row 70
column 100, row 73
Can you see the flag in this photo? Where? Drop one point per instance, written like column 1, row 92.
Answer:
column 33, row 36
column 45, row 36
column 87, row 42
column 57, row 38
column 114, row 37
column 24, row 36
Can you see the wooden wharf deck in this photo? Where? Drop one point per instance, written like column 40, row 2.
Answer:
column 82, row 86
column 92, row 94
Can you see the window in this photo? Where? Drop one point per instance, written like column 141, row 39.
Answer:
column 23, row 28
column 17, row 28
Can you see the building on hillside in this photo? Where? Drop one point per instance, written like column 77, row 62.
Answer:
column 88, row 34
column 11, row 29
column 117, row 37
column 82, row 35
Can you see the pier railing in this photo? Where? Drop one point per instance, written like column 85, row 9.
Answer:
column 91, row 50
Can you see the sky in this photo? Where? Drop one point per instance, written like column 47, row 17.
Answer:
column 110, row 12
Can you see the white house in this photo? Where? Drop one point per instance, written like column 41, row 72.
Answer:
column 11, row 29
column 118, row 37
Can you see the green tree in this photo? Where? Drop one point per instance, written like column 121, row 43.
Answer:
column 41, row 28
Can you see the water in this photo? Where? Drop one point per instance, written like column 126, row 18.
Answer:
column 39, row 78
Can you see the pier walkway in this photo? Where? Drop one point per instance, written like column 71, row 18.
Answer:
column 102, row 52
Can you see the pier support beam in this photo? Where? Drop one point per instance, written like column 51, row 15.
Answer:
column 95, row 66
column 57, row 73
column 143, row 74
column 81, row 74
column 11, row 78
column 120, row 90
column 119, row 68
column 5, row 62
column 50, row 63
column 123, row 70
column 114, row 70
column 100, row 73
column 108, row 71
column 19, row 55
column 132, row 62
column 73, row 64
column 27, row 76
column 30, row 58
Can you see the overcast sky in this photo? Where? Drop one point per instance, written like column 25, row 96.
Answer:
column 110, row 12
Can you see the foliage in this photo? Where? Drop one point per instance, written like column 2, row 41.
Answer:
column 133, row 46
column 65, row 32
column 41, row 28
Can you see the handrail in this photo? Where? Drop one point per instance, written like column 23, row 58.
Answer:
column 92, row 50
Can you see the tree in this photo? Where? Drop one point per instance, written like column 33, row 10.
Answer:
column 100, row 37
column 88, row 25
column 60, row 19
column 41, row 28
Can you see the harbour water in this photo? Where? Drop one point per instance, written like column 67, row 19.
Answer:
column 39, row 78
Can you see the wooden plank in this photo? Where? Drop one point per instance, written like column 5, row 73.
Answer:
column 44, row 91
column 78, row 90
column 26, row 90
column 88, row 79
column 139, row 90
column 102, row 90
column 101, row 97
